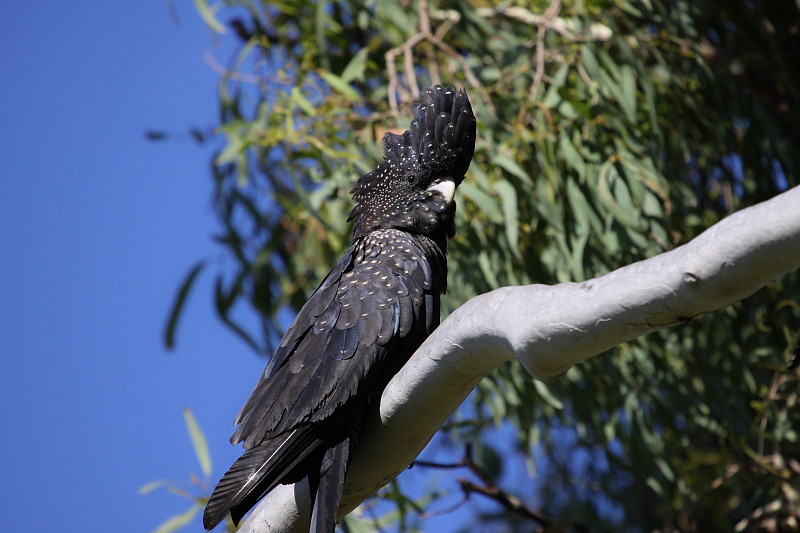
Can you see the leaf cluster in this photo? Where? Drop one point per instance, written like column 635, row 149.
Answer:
column 609, row 131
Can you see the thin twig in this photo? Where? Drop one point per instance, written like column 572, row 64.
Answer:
column 407, row 48
column 411, row 76
column 212, row 62
column 589, row 83
column 467, row 71
column 489, row 488
column 446, row 510
column 394, row 84
column 512, row 503
column 433, row 68
column 443, row 466
column 594, row 32
column 424, row 18
column 538, row 73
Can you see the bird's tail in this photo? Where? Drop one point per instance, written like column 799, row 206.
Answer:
column 326, row 490
column 256, row 473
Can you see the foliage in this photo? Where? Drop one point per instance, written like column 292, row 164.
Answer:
column 609, row 131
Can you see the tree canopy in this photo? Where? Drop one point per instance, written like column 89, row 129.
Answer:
column 608, row 131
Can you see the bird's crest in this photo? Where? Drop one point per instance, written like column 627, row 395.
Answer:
column 441, row 139
column 439, row 144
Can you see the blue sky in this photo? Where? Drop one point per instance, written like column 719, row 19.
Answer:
column 98, row 227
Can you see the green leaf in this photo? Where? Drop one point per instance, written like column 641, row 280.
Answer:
column 571, row 155
column 478, row 176
column 623, row 199
column 339, row 85
column 544, row 391
column 353, row 524
column 355, row 68
column 153, row 485
column 628, row 95
column 665, row 469
column 655, row 485
column 578, row 244
column 302, row 102
column 510, row 214
column 321, row 20
column 483, row 200
column 235, row 146
column 589, row 61
column 198, row 441
column 236, row 328
column 581, row 209
column 512, row 167
column 608, row 179
column 553, row 94
column 400, row 17
column 209, row 15
column 178, row 521
column 177, row 305
column 487, row 269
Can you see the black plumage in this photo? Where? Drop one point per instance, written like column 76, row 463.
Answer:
column 371, row 312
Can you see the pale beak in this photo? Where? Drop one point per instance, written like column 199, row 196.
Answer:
column 446, row 187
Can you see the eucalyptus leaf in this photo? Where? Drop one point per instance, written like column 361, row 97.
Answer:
column 178, row 521
column 209, row 15
column 198, row 441
column 508, row 197
column 339, row 85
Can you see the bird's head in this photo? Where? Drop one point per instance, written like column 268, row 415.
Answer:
column 413, row 188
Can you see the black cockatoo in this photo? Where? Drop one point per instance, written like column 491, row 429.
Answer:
column 369, row 315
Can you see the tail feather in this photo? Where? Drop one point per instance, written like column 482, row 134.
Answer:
column 233, row 486
column 329, row 487
column 255, row 473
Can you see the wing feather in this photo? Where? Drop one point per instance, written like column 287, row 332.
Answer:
column 335, row 354
column 404, row 315
column 370, row 323
column 351, row 310
column 344, row 344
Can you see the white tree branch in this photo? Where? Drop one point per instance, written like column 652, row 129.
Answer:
column 549, row 329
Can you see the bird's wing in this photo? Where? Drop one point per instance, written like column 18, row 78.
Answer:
column 380, row 295
column 367, row 317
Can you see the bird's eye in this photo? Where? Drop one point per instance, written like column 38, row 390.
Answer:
column 412, row 179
